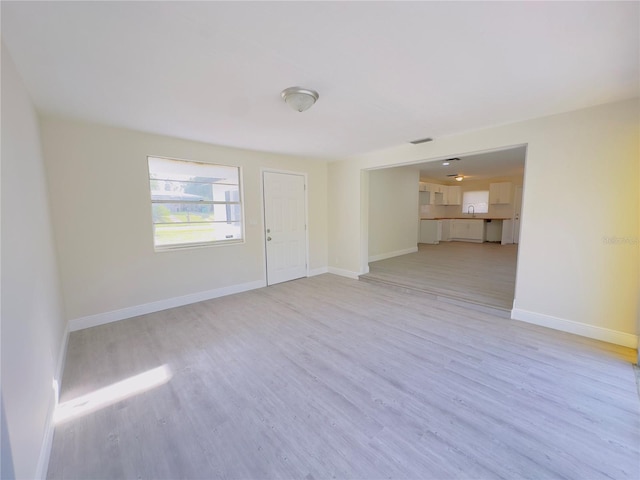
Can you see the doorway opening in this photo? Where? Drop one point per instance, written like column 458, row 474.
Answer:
column 428, row 233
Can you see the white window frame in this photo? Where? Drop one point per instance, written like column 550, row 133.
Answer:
column 196, row 244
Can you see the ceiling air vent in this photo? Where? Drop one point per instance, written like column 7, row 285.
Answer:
column 422, row 140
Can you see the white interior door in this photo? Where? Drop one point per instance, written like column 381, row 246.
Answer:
column 285, row 226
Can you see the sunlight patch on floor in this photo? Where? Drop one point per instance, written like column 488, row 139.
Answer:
column 111, row 394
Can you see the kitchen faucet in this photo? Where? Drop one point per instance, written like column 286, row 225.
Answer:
column 471, row 209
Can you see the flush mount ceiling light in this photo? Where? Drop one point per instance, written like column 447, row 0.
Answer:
column 459, row 178
column 300, row 99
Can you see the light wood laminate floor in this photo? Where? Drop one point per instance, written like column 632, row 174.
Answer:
column 478, row 273
column 328, row 377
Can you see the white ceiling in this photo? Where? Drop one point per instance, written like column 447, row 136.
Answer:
column 481, row 166
column 387, row 72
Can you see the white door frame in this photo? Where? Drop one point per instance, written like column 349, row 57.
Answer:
column 364, row 198
column 517, row 212
column 264, row 220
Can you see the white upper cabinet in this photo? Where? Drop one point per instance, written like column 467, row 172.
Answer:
column 424, row 197
column 432, row 194
column 449, row 195
column 432, row 187
column 453, row 195
column 439, row 194
column 500, row 193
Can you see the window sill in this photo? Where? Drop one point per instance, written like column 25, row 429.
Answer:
column 192, row 246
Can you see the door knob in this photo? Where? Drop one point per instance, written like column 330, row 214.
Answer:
column 268, row 239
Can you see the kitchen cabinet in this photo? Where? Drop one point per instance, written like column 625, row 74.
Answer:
column 434, row 194
column 449, row 195
column 430, row 231
column 453, row 195
column 499, row 193
column 431, row 187
column 467, row 230
column 430, row 193
column 446, row 230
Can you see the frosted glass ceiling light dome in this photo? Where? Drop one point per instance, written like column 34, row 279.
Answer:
column 300, row 99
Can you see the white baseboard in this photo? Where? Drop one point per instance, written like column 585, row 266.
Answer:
column 397, row 253
column 62, row 359
column 47, row 443
column 344, row 273
column 577, row 328
column 318, row 271
column 129, row 312
column 47, row 438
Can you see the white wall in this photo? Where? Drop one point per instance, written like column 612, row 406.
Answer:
column 581, row 188
column 99, row 187
column 393, row 212
column 33, row 326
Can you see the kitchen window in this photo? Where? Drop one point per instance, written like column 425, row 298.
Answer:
column 194, row 204
column 475, row 201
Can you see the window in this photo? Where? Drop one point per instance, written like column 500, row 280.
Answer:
column 475, row 202
column 194, row 203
